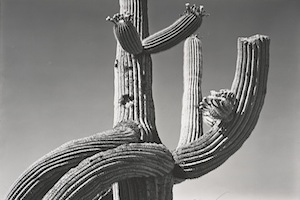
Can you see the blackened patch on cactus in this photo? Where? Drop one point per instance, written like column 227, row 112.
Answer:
column 116, row 63
column 126, row 98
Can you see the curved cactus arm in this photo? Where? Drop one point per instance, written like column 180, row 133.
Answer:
column 191, row 117
column 183, row 27
column 227, row 136
column 42, row 175
column 126, row 34
column 100, row 171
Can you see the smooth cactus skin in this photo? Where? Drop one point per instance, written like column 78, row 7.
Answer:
column 129, row 161
column 183, row 27
column 126, row 33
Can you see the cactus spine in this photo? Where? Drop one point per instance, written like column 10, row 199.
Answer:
column 131, row 156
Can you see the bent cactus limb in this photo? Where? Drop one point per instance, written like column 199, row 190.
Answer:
column 35, row 182
column 227, row 136
column 172, row 35
column 97, row 173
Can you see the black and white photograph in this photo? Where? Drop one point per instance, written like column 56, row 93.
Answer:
column 149, row 100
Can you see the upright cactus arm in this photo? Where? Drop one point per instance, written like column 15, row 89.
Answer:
column 99, row 172
column 42, row 175
column 229, row 133
column 191, row 118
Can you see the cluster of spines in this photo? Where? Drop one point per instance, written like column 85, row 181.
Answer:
column 126, row 34
column 182, row 28
column 218, row 106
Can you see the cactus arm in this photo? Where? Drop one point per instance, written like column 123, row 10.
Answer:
column 98, row 172
column 126, row 34
column 183, row 27
column 226, row 137
column 42, row 175
column 191, row 118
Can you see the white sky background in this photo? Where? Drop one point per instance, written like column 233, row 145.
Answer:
column 57, row 84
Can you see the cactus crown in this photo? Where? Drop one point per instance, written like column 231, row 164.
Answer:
column 196, row 10
column 120, row 18
column 218, row 106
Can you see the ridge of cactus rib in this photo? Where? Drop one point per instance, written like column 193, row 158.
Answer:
column 126, row 34
column 42, row 175
column 183, row 27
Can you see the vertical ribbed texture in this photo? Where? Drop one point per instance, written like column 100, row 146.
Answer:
column 133, row 98
column 133, row 78
column 128, row 38
column 191, row 117
column 225, row 138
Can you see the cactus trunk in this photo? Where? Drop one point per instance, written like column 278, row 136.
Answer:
column 133, row 78
column 133, row 97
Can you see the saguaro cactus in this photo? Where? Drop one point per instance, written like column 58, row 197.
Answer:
column 129, row 161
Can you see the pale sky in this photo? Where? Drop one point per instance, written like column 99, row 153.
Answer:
column 57, row 85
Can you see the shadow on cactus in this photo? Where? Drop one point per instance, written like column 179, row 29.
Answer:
column 129, row 161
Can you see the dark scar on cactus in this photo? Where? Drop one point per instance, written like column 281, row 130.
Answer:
column 116, row 63
column 126, row 98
